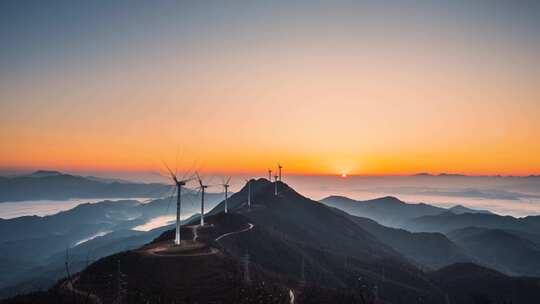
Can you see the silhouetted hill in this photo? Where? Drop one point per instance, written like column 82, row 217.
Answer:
column 388, row 211
column 499, row 249
column 328, row 268
column 467, row 283
column 426, row 250
column 448, row 221
column 53, row 185
column 305, row 220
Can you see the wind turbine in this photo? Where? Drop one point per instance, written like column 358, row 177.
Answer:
column 226, row 187
column 275, row 184
column 248, row 181
column 279, row 170
column 202, row 188
column 179, row 183
column 270, row 174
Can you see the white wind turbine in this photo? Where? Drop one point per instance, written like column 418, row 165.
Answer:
column 270, row 174
column 202, row 188
column 275, row 184
column 179, row 183
column 226, row 188
column 279, row 170
column 248, row 181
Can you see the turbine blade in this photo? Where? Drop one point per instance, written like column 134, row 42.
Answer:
column 199, row 179
column 161, row 174
column 187, row 180
column 191, row 169
column 170, row 171
column 170, row 199
column 157, row 190
column 210, row 179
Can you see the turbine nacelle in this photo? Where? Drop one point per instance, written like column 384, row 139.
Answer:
column 279, row 170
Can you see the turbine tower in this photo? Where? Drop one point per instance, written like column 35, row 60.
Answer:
column 202, row 188
column 179, row 184
column 226, row 187
column 279, row 170
column 275, row 184
column 248, row 181
column 270, row 174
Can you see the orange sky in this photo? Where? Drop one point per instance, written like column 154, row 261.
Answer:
column 320, row 97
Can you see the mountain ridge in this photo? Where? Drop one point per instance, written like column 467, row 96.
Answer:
column 54, row 185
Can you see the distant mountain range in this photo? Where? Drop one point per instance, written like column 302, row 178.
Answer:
column 459, row 209
column 447, row 221
column 426, row 250
column 511, row 251
column 505, row 243
column 287, row 248
column 53, row 185
column 390, row 211
column 465, row 175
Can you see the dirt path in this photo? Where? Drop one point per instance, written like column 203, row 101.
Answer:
column 235, row 232
column 157, row 250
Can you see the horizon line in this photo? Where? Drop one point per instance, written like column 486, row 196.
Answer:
column 21, row 171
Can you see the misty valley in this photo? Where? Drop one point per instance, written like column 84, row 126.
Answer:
column 273, row 245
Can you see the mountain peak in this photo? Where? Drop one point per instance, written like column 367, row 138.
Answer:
column 460, row 209
column 387, row 200
column 451, row 175
column 44, row 173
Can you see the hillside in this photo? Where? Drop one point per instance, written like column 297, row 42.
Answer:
column 499, row 249
column 425, row 249
column 467, row 283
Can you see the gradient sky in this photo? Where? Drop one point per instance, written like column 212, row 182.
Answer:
column 382, row 87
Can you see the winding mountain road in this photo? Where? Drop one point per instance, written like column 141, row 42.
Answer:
column 235, row 232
